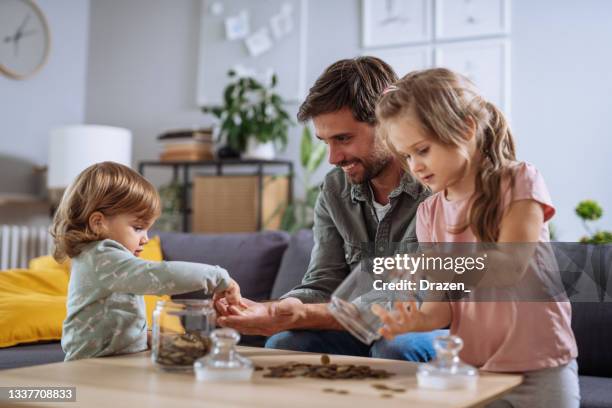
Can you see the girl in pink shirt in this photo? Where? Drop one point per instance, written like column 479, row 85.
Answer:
column 460, row 146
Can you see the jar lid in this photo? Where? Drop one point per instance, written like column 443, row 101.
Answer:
column 223, row 363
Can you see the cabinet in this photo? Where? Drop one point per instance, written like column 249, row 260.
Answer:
column 249, row 197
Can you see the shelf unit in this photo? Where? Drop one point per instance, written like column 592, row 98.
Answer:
column 181, row 172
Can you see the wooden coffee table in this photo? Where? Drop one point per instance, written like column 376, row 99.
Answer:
column 133, row 381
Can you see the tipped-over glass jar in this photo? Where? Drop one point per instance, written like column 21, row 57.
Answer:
column 181, row 332
column 447, row 371
column 224, row 364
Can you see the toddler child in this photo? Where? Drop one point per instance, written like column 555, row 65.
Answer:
column 101, row 224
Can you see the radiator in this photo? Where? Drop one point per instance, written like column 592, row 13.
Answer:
column 19, row 244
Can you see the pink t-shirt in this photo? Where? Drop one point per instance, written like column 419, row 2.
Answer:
column 505, row 336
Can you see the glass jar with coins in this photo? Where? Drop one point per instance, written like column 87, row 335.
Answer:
column 181, row 332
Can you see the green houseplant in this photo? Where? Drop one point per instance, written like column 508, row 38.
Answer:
column 251, row 109
column 300, row 214
column 588, row 211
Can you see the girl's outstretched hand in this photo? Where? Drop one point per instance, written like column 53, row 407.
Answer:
column 405, row 318
column 231, row 295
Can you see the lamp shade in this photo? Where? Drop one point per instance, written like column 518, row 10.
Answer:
column 74, row 148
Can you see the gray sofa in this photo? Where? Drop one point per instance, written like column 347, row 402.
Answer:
column 268, row 264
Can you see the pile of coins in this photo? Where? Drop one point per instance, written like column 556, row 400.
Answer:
column 325, row 371
column 181, row 349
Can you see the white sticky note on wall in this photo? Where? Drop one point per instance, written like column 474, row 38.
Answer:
column 259, row 42
column 281, row 24
column 237, row 27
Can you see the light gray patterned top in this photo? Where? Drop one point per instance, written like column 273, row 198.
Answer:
column 106, row 310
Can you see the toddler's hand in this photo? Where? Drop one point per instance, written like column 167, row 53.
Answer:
column 406, row 318
column 231, row 295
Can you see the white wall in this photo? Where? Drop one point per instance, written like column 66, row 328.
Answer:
column 55, row 96
column 143, row 61
column 562, row 101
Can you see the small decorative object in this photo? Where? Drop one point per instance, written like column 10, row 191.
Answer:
column 224, row 364
column 24, row 38
column 251, row 110
column 447, row 371
column 181, row 332
column 590, row 210
column 300, row 213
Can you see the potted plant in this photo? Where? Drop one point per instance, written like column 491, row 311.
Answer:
column 252, row 119
column 300, row 214
column 588, row 211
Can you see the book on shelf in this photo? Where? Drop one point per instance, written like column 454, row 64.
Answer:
column 185, row 156
column 186, row 145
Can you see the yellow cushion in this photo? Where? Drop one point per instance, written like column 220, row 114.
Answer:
column 46, row 262
column 32, row 305
column 152, row 252
column 33, row 301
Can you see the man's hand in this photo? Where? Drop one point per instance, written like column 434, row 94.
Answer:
column 260, row 318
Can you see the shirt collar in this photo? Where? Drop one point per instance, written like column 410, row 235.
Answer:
column 408, row 185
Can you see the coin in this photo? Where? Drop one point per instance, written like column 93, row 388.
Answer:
column 181, row 349
column 325, row 371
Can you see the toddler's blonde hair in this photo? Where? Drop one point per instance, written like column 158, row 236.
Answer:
column 108, row 187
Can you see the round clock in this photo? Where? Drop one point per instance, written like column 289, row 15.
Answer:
column 24, row 38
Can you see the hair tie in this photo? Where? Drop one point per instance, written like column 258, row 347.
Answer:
column 390, row 88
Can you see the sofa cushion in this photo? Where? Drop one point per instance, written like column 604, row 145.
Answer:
column 593, row 331
column 252, row 259
column 595, row 392
column 31, row 354
column 294, row 264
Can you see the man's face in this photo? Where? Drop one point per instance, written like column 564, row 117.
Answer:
column 353, row 145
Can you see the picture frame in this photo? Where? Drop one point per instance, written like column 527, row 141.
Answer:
column 464, row 19
column 405, row 59
column 395, row 22
column 484, row 62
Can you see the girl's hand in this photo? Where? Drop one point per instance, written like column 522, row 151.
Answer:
column 231, row 295
column 405, row 318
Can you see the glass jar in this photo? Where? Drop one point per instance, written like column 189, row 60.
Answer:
column 351, row 303
column 181, row 332
column 224, row 363
column 447, row 371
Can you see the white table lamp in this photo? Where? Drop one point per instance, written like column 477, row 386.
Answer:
column 74, row 148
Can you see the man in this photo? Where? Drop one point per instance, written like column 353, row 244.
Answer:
column 366, row 198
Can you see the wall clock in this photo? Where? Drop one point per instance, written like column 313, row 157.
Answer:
column 24, row 38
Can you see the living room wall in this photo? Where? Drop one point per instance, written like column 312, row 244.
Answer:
column 143, row 61
column 53, row 97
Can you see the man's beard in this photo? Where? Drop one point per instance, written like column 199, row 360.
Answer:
column 372, row 165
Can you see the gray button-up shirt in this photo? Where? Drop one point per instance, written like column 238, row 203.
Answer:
column 345, row 220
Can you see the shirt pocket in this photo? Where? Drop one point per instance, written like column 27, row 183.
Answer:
column 352, row 254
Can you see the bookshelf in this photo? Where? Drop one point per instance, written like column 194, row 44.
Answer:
column 182, row 172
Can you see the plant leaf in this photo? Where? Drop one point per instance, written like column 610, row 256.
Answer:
column 306, row 146
column 316, row 157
